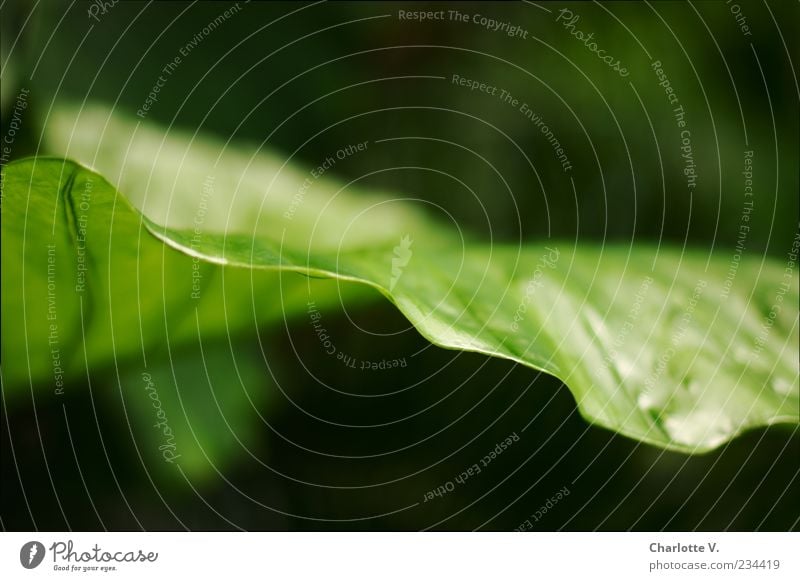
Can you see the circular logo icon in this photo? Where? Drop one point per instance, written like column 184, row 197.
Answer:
column 31, row 554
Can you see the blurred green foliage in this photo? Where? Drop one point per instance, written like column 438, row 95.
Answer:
column 306, row 80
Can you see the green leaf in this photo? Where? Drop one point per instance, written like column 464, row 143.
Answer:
column 658, row 344
column 86, row 287
column 642, row 336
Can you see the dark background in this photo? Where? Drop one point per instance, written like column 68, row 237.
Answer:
column 320, row 459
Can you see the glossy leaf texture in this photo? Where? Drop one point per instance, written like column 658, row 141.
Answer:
column 659, row 344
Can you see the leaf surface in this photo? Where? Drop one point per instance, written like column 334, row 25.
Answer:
column 659, row 344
